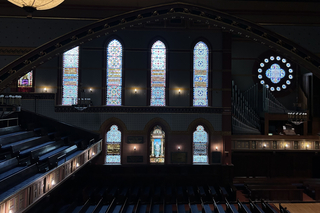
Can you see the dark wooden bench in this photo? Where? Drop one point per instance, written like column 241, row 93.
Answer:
column 8, row 164
column 267, row 208
column 15, row 136
column 9, row 129
column 275, row 192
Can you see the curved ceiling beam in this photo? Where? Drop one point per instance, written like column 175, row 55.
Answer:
column 214, row 18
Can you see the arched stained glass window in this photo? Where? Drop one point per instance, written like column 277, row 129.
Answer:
column 25, row 83
column 200, row 146
column 114, row 73
column 158, row 74
column 113, row 139
column 157, row 145
column 70, row 77
column 200, row 74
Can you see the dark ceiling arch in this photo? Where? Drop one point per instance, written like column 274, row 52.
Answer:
column 123, row 21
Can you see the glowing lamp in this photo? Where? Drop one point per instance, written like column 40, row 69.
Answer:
column 32, row 5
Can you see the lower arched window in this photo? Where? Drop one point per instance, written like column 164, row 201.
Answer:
column 157, row 145
column 200, row 146
column 113, row 144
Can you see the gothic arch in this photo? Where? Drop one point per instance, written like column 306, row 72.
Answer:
column 213, row 18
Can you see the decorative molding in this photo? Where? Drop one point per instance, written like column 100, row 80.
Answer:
column 144, row 109
column 15, row 50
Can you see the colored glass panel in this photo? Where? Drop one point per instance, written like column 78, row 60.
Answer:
column 113, row 145
column 200, row 74
column 70, row 77
column 26, row 80
column 158, row 74
column 114, row 73
column 275, row 73
column 157, row 145
column 200, row 146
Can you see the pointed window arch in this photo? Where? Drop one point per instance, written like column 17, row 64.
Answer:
column 200, row 74
column 158, row 74
column 25, row 83
column 70, row 77
column 157, row 146
column 113, row 144
column 200, row 146
column 114, row 73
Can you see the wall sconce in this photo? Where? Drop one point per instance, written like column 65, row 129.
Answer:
column 77, row 165
column 90, row 90
column 135, row 91
column 134, row 148
column 179, row 91
column 10, row 211
column 264, row 146
column 52, row 182
column 216, row 148
column 45, row 89
column 92, row 153
column 307, row 146
column 179, row 148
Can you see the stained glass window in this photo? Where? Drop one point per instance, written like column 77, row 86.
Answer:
column 158, row 74
column 114, row 73
column 157, row 145
column 113, row 139
column 200, row 74
column 200, row 146
column 25, row 83
column 70, row 77
column 26, row 80
column 275, row 73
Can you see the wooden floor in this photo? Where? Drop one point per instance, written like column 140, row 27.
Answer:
column 301, row 207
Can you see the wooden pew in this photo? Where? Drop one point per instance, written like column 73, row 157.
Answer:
column 8, row 164
column 217, row 207
column 230, row 208
column 255, row 208
column 275, row 192
column 242, row 208
column 283, row 210
column 15, row 136
column 267, row 208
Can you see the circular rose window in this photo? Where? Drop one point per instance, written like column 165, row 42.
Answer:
column 275, row 73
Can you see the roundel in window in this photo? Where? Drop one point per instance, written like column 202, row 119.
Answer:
column 275, row 73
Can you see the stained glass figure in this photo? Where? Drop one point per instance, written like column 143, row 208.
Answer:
column 70, row 77
column 157, row 145
column 26, row 80
column 114, row 73
column 113, row 139
column 200, row 74
column 200, row 146
column 158, row 74
column 275, row 73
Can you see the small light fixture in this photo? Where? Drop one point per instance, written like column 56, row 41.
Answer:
column 264, row 146
column 286, row 145
column 77, row 164
column 90, row 90
column 216, row 148
column 45, row 89
column 92, row 153
column 179, row 91
column 307, row 146
column 36, row 4
column 134, row 148
column 10, row 211
column 135, row 91
column 179, row 148
column 52, row 182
